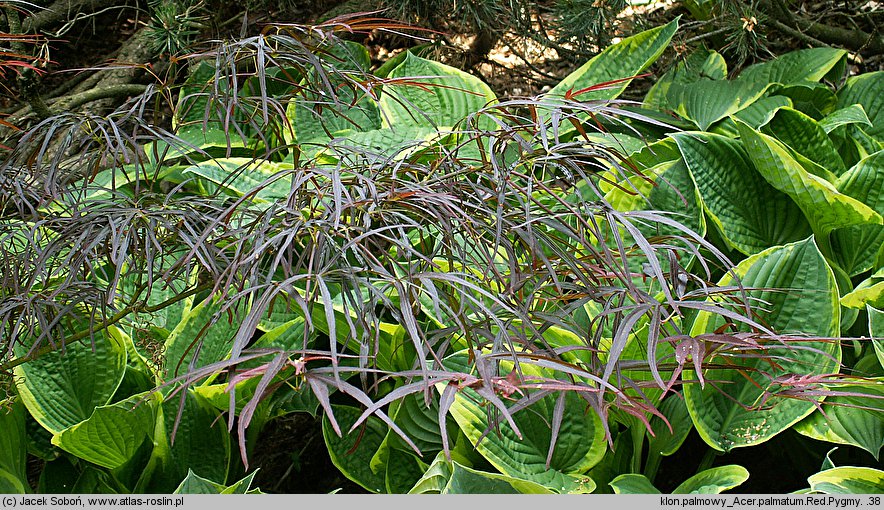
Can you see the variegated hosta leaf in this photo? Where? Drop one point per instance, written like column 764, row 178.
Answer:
column 580, row 443
column 61, row 389
column 824, row 206
column 867, row 90
column 848, row 480
column 619, row 61
column 239, row 176
column 796, row 67
column 856, row 248
column 876, row 331
column 798, row 295
column 750, row 213
column 869, row 292
column 805, row 136
column 850, row 417
column 429, row 94
column 451, row 477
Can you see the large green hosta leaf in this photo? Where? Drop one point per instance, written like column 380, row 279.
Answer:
column 825, row 208
column 750, row 213
column 580, row 443
column 760, row 112
column 239, row 176
column 796, row 67
column 316, row 117
column 429, row 94
column 620, row 61
column 401, row 142
column 196, row 333
column 856, row 248
column 352, row 453
column 665, row 442
column 807, row 137
column 201, row 444
column 633, row 483
column 113, row 434
column 850, row 419
column 13, row 449
column 705, row 102
column 867, row 90
column 799, row 296
column 63, row 389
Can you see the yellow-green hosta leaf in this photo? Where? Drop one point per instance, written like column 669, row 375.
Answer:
column 866, row 90
column 850, row 419
column 876, row 331
column 714, row 480
column 807, row 137
column 451, row 477
column 113, row 434
column 800, row 296
column 470, row 481
column 580, row 444
column 201, row 444
column 851, row 114
column 749, row 212
column 239, row 176
column 197, row 141
column 869, row 292
column 665, row 187
column 848, row 480
column 196, row 333
column 824, row 206
column 856, row 248
column 63, row 389
column 620, row 61
column 705, row 102
column 796, row 67
column 429, row 94
column 13, row 448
